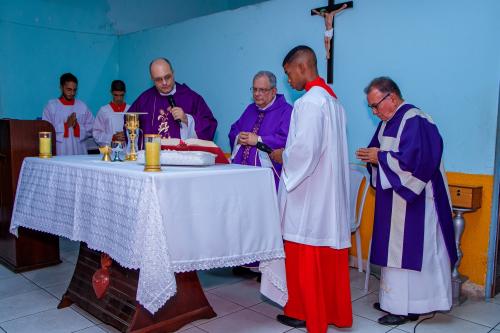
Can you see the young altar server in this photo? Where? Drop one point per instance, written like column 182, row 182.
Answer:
column 70, row 117
column 108, row 124
column 313, row 199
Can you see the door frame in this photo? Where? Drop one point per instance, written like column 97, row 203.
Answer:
column 495, row 218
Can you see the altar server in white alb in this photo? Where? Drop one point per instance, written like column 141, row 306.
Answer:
column 413, row 238
column 70, row 117
column 108, row 124
column 313, row 199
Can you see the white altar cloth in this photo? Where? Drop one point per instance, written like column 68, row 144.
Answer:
column 181, row 219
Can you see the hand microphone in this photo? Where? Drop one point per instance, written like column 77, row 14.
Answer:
column 265, row 148
column 172, row 104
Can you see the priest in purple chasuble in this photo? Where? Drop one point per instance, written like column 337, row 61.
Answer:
column 266, row 120
column 413, row 237
column 172, row 109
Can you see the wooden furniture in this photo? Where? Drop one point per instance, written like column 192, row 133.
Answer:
column 119, row 308
column 19, row 139
column 465, row 196
column 464, row 199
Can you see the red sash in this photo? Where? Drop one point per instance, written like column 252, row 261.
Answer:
column 76, row 128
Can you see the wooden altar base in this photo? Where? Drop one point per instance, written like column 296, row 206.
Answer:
column 119, row 308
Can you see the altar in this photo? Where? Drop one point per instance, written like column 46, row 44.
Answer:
column 162, row 224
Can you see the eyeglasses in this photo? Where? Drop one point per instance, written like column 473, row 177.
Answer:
column 260, row 90
column 161, row 79
column 375, row 106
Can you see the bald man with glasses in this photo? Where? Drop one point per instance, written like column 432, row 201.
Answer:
column 173, row 110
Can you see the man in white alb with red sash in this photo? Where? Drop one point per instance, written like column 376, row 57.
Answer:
column 313, row 197
column 108, row 124
column 70, row 117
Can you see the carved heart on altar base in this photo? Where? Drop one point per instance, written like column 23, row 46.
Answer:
column 100, row 279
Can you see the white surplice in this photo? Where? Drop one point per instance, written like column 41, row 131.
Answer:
column 313, row 194
column 107, row 123
column 56, row 113
column 404, row 291
column 314, row 187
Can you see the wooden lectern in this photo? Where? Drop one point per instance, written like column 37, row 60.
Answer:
column 32, row 249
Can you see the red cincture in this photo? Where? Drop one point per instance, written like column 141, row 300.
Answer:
column 76, row 129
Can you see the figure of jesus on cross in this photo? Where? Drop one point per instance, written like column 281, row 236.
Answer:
column 328, row 13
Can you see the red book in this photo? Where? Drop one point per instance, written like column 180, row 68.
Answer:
column 195, row 145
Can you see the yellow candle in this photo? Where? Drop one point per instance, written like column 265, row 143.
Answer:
column 152, row 154
column 45, row 147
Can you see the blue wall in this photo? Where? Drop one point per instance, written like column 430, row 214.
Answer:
column 40, row 40
column 445, row 56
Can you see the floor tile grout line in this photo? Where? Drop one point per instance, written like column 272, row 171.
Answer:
column 31, row 314
column 95, row 325
column 205, row 321
column 468, row 320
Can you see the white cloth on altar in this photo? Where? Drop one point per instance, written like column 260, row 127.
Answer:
column 182, row 219
column 273, row 281
column 56, row 113
column 314, row 187
column 107, row 123
column 404, row 291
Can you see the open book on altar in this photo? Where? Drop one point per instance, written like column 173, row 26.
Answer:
column 195, row 145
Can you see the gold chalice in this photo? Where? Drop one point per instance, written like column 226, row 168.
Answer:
column 106, row 153
column 132, row 124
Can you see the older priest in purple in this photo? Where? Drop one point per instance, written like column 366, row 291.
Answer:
column 413, row 238
column 266, row 120
column 173, row 110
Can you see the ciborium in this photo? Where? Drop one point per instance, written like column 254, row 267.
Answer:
column 132, row 124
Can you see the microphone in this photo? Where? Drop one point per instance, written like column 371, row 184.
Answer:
column 171, row 101
column 265, row 148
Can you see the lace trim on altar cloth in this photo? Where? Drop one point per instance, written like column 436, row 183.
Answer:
column 211, row 263
column 276, row 280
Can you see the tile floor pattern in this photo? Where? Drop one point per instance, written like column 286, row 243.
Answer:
column 28, row 303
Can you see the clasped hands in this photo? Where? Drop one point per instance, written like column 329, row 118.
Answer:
column 72, row 121
column 178, row 113
column 248, row 138
column 368, row 155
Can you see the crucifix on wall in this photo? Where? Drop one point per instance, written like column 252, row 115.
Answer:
column 328, row 13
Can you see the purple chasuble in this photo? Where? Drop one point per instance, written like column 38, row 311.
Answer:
column 159, row 121
column 409, row 170
column 271, row 125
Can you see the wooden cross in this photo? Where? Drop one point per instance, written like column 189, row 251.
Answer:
column 322, row 11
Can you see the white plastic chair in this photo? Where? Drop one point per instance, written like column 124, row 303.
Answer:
column 357, row 174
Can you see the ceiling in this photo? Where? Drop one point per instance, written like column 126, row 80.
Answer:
column 127, row 16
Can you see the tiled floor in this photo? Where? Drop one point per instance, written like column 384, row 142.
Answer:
column 28, row 303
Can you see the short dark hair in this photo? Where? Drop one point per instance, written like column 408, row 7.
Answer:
column 67, row 77
column 118, row 85
column 297, row 51
column 385, row 85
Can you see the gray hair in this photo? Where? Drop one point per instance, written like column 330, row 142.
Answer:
column 270, row 76
column 385, row 85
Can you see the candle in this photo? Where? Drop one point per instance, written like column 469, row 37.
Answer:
column 152, row 152
column 45, row 144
